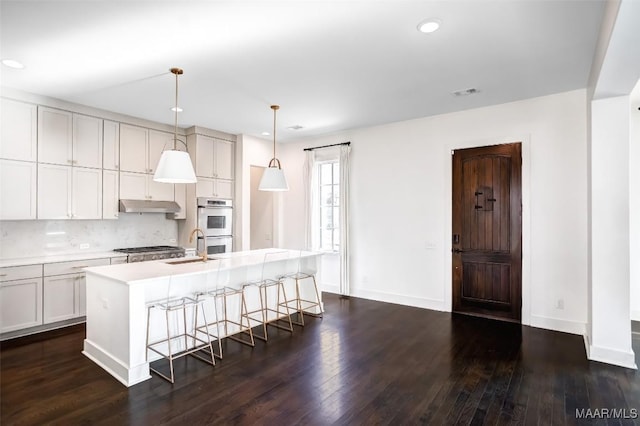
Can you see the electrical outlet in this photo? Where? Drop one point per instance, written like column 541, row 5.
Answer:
column 84, row 246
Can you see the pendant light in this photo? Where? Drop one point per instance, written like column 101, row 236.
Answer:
column 175, row 166
column 273, row 177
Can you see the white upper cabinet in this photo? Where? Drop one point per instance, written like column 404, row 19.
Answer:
column 159, row 191
column 180, row 197
column 133, row 186
column 19, row 130
column 223, row 159
column 134, row 145
column 212, row 158
column 110, row 197
column 203, row 154
column 69, row 192
column 86, row 193
column 54, row 191
column 55, row 136
column 214, row 188
column 141, row 186
column 140, row 148
column 111, row 145
column 18, row 190
column 158, row 142
column 87, row 141
column 69, row 139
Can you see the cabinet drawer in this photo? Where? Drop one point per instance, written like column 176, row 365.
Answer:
column 73, row 267
column 20, row 272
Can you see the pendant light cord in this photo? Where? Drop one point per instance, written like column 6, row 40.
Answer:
column 175, row 127
column 176, row 72
column 274, row 161
column 274, row 132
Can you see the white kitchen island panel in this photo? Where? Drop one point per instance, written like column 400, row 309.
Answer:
column 118, row 296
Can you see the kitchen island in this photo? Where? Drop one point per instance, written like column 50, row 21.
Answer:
column 118, row 296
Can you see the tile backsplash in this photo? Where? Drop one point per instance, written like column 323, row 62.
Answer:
column 50, row 237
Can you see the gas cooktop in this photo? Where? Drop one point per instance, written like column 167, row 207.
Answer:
column 142, row 254
column 151, row 249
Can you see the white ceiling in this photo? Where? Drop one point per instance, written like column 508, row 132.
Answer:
column 331, row 65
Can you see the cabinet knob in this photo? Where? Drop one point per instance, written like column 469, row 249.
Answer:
column 74, row 162
column 69, row 161
column 117, row 166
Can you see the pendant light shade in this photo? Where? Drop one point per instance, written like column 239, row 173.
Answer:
column 175, row 166
column 273, row 180
column 273, row 177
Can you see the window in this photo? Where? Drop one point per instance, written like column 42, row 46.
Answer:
column 329, row 192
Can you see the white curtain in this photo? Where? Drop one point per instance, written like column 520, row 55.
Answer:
column 310, row 201
column 345, row 167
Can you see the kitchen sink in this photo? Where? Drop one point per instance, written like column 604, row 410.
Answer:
column 189, row 260
column 183, row 261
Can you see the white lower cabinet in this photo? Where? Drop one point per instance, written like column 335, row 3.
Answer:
column 61, row 297
column 65, row 289
column 214, row 188
column 20, row 304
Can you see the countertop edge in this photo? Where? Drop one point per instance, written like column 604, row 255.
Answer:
column 38, row 260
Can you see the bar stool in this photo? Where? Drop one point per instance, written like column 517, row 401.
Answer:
column 271, row 279
column 301, row 279
column 176, row 343
column 221, row 300
column 209, row 293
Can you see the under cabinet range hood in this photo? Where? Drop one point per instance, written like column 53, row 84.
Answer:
column 148, row 206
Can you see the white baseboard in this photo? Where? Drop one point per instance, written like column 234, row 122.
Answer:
column 635, row 315
column 566, row 326
column 330, row 288
column 625, row 359
column 418, row 302
column 125, row 375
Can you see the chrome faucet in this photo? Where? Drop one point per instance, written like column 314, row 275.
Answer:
column 203, row 254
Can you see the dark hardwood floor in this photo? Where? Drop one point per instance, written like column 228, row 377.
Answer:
column 364, row 363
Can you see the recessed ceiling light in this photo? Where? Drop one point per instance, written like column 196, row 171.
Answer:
column 12, row 63
column 429, row 25
column 265, row 133
column 465, row 92
column 176, row 109
column 296, row 127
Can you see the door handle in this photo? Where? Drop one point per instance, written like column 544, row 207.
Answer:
column 457, row 250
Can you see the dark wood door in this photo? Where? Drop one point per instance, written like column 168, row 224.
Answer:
column 487, row 231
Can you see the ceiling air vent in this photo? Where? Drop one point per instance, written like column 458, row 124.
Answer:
column 466, row 92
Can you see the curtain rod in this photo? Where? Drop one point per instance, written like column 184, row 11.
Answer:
column 327, row 146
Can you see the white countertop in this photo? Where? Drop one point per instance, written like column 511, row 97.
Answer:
column 23, row 261
column 133, row 273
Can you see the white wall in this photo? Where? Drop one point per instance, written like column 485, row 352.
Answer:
column 610, row 338
column 261, row 221
column 634, row 202
column 250, row 151
column 402, row 172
